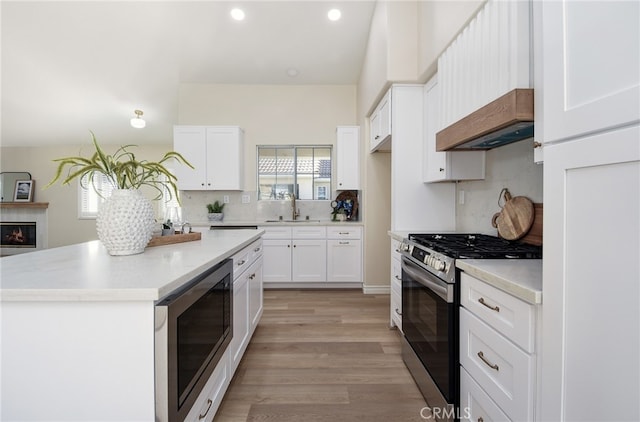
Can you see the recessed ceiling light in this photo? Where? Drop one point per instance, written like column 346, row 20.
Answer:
column 237, row 14
column 292, row 71
column 334, row 14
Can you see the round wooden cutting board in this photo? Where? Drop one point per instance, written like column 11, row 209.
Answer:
column 515, row 219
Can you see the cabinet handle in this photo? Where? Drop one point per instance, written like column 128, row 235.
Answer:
column 343, row 232
column 294, row 246
column 397, row 278
column 398, row 312
column 201, row 184
column 256, row 250
column 537, row 144
column 288, row 246
column 377, row 137
column 489, row 364
column 204, row 415
column 441, row 169
column 241, row 262
column 343, row 243
column 493, row 308
column 252, row 276
column 480, row 419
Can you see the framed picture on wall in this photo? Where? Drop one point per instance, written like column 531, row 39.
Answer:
column 24, row 191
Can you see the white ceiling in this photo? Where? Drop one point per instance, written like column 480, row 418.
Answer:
column 70, row 67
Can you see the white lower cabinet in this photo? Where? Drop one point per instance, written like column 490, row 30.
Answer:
column 314, row 255
column 344, row 254
column 247, row 310
column 497, row 353
column 396, row 286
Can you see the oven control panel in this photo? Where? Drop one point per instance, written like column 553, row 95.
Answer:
column 435, row 262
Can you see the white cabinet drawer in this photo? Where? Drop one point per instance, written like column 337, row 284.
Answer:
column 205, row 407
column 396, row 303
column 503, row 370
column 276, row 232
column 396, row 270
column 255, row 250
column 510, row 316
column 475, row 404
column 344, row 232
column 241, row 261
column 309, row 232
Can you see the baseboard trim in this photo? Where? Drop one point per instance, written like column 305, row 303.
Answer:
column 307, row 285
column 376, row 290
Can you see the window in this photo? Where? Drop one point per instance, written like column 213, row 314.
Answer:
column 91, row 197
column 301, row 170
column 89, row 200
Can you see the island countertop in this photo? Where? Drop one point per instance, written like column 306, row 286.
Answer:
column 86, row 272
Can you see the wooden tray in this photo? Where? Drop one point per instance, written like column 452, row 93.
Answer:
column 176, row 238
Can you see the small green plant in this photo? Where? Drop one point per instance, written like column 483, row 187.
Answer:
column 122, row 169
column 215, row 208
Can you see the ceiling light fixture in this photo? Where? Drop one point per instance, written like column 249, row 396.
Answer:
column 138, row 122
column 293, row 72
column 334, row 14
column 237, row 14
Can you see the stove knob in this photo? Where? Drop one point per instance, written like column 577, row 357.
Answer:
column 440, row 265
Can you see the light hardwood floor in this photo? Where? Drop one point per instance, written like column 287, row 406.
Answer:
column 322, row 355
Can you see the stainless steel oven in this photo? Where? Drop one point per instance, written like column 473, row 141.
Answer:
column 430, row 314
column 193, row 327
column 430, row 346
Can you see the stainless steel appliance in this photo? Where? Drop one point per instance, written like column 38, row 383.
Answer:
column 430, row 302
column 193, row 327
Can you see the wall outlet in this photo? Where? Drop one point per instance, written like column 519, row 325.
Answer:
column 225, row 199
column 246, row 199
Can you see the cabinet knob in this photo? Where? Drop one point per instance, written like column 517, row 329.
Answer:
column 377, row 137
column 201, row 184
column 441, row 169
column 537, row 144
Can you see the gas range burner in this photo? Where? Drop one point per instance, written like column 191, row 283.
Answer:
column 478, row 246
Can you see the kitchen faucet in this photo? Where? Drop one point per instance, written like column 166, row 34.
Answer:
column 295, row 213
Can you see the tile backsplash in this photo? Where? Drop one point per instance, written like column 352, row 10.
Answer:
column 194, row 207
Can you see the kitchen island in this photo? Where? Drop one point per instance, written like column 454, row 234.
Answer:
column 77, row 326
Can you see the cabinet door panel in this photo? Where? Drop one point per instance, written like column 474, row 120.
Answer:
column 225, row 149
column 190, row 142
column 255, row 293
column 276, row 265
column 592, row 197
column 309, row 260
column 348, row 157
column 343, row 260
column 240, row 338
column 591, row 77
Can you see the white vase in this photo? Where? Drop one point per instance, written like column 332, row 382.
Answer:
column 125, row 222
column 215, row 216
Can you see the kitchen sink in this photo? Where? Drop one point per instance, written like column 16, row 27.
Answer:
column 292, row 221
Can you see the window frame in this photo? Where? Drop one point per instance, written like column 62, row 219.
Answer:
column 295, row 175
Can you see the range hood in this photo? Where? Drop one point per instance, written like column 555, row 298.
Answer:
column 503, row 121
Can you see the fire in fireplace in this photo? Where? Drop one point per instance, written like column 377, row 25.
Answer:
column 18, row 235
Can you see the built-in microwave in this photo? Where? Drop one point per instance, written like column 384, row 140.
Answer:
column 193, row 327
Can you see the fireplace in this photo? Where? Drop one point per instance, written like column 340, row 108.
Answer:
column 23, row 227
column 18, row 234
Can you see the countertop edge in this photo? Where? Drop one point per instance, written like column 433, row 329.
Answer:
column 480, row 269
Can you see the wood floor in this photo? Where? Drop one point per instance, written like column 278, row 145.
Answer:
column 321, row 355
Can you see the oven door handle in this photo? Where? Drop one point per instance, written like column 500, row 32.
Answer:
column 420, row 275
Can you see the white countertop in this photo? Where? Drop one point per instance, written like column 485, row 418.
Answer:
column 86, row 272
column 298, row 222
column 521, row 278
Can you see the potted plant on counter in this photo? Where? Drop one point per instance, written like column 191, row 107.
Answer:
column 215, row 211
column 125, row 220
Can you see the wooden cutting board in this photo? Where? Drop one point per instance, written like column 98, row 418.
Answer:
column 515, row 219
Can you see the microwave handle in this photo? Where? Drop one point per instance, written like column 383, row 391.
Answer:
column 442, row 289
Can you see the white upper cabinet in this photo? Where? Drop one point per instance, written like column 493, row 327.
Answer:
column 348, row 158
column 216, row 152
column 449, row 165
column 380, row 125
column 489, row 58
column 591, row 66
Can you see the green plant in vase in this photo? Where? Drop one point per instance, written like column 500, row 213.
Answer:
column 125, row 220
column 215, row 211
